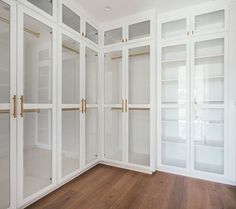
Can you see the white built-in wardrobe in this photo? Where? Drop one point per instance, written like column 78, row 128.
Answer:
column 148, row 92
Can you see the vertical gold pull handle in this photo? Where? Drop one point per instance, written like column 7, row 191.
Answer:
column 123, row 106
column 126, row 105
column 82, row 105
column 85, row 105
column 14, row 106
column 22, row 106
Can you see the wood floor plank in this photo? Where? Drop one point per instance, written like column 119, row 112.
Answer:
column 105, row 187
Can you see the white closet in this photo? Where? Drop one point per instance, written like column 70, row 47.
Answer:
column 128, row 98
column 193, row 83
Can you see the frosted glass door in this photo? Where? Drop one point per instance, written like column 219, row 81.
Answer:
column 174, row 29
column 209, row 22
column 139, row 30
column 91, row 33
column 45, row 5
column 36, row 105
column 113, row 36
column 70, row 106
column 113, row 119
column 5, row 99
column 91, row 105
column 174, row 74
column 208, row 105
column 138, row 105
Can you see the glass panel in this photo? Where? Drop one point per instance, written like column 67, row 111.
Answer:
column 139, row 75
column 70, row 141
column 210, row 21
column 70, row 71
column 5, row 148
column 209, row 159
column 174, row 119
column 174, row 74
column 139, row 137
column 91, row 33
column 209, row 127
column 5, row 53
column 45, row 5
column 37, row 61
column 4, row 160
column 174, row 29
column 209, row 71
column 70, row 18
column 91, row 76
column 37, row 150
column 139, row 30
column 113, row 36
column 91, row 135
column 113, row 77
column 174, row 154
column 113, row 134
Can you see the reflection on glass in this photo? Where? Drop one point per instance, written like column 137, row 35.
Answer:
column 4, row 99
column 70, row 71
column 113, row 36
column 70, row 18
column 91, row 135
column 113, row 134
column 70, row 142
column 37, row 61
column 45, row 5
column 37, row 150
column 139, row 137
column 174, row 29
column 91, row 76
column 113, row 77
column 91, row 33
column 139, row 73
column 139, row 30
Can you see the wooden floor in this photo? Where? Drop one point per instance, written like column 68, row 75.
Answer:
column 105, row 187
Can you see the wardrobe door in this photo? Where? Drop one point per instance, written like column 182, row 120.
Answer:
column 113, row 107
column 91, row 105
column 36, row 132
column 174, row 104
column 70, row 106
column 7, row 105
column 208, row 104
column 138, row 105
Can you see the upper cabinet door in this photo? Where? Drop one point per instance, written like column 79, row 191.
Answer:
column 139, row 30
column 209, row 22
column 71, row 19
column 47, row 7
column 113, row 36
column 175, row 28
column 91, row 33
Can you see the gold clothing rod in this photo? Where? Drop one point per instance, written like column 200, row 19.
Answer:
column 70, row 109
column 4, row 111
column 131, row 55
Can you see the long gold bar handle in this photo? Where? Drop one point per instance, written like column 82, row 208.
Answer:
column 123, row 106
column 22, row 106
column 85, row 105
column 126, row 105
column 14, row 106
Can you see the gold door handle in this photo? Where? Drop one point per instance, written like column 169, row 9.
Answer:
column 123, row 106
column 82, row 105
column 85, row 105
column 22, row 106
column 14, row 106
column 126, row 105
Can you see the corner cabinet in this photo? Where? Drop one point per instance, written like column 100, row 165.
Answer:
column 193, row 77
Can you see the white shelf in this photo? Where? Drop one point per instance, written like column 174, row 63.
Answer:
column 173, row 61
column 173, row 121
column 210, row 56
column 213, row 144
column 173, row 140
column 210, row 78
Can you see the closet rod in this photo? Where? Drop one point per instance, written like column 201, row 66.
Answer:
column 3, row 19
column 4, row 111
column 131, row 55
column 70, row 109
column 37, row 35
column 139, row 108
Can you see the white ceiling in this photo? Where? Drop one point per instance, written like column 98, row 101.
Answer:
column 122, row 8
